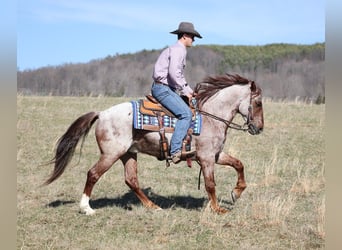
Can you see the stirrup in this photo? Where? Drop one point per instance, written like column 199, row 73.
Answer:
column 188, row 154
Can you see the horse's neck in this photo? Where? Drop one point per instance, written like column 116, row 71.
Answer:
column 226, row 102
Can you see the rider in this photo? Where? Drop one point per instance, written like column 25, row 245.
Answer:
column 168, row 76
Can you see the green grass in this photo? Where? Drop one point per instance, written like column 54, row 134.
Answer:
column 283, row 206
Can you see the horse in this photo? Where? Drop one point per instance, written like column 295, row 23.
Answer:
column 219, row 99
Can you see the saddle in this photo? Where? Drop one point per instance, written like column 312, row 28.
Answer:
column 150, row 106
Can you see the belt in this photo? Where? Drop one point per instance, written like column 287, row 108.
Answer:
column 161, row 83
column 168, row 84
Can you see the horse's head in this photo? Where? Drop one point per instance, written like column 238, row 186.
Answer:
column 251, row 109
column 246, row 99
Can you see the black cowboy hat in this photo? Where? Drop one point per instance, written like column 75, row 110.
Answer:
column 188, row 28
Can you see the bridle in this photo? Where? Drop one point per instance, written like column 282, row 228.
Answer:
column 245, row 127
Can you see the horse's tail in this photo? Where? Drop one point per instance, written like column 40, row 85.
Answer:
column 66, row 145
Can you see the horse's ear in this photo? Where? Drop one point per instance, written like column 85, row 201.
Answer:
column 253, row 86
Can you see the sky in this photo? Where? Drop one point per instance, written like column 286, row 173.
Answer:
column 55, row 32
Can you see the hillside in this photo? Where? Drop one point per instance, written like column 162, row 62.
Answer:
column 282, row 70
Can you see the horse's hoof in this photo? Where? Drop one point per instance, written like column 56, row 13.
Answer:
column 157, row 208
column 90, row 212
column 221, row 210
column 153, row 206
column 234, row 197
column 87, row 211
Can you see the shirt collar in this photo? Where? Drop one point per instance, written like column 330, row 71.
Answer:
column 180, row 43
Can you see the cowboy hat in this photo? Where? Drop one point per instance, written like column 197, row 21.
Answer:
column 188, row 28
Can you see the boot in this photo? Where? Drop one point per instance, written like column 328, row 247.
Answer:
column 177, row 157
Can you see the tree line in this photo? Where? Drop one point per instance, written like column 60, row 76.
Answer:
column 283, row 71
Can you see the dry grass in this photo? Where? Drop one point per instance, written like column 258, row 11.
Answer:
column 283, row 206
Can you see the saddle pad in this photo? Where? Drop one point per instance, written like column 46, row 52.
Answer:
column 148, row 122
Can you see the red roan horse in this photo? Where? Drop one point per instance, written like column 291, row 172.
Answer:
column 219, row 99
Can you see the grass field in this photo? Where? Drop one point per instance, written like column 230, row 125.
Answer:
column 283, row 206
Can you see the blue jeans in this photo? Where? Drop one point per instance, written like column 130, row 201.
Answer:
column 173, row 102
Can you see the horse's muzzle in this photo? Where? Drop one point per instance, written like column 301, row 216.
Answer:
column 254, row 130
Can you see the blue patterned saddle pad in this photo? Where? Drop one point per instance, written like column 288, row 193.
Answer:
column 148, row 122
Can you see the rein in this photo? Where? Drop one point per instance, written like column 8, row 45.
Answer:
column 228, row 123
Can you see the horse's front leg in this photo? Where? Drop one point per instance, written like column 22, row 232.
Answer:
column 225, row 159
column 131, row 179
column 209, row 180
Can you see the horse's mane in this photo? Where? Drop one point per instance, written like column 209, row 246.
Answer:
column 212, row 84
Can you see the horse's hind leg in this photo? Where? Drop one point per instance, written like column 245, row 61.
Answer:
column 225, row 159
column 131, row 179
column 94, row 174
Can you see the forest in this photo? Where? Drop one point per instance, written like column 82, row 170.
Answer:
column 283, row 71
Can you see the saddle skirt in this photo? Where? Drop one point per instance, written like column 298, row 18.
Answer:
column 145, row 116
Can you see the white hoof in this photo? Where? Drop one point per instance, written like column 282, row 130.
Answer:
column 85, row 207
column 87, row 211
